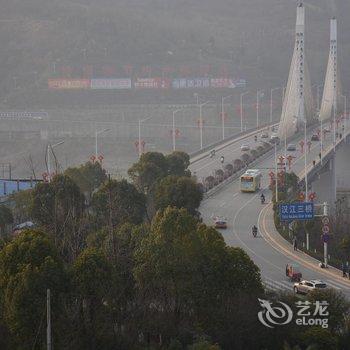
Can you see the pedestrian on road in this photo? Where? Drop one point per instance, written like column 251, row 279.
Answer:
column 295, row 243
column 314, row 162
column 343, row 267
column 319, row 155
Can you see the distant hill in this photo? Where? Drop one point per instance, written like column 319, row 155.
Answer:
column 254, row 39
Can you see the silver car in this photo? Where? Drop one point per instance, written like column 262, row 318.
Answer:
column 291, row 147
column 305, row 287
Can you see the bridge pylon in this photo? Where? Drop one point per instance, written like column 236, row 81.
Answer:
column 332, row 87
column 297, row 104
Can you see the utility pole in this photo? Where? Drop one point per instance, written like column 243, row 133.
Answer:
column 48, row 319
column 276, row 182
column 201, row 122
column 325, row 244
column 241, row 108
column 223, row 115
column 271, row 101
column 173, row 130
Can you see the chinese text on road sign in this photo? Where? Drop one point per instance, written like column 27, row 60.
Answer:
column 297, row 211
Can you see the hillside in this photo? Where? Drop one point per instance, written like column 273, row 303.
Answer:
column 251, row 39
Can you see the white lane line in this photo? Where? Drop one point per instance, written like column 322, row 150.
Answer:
column 281, row 284
column 222, row 204
column 332, row 285
column 244, row 244
column 339, row 286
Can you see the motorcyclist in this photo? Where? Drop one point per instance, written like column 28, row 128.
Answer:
column 222, row 159
column 254, row 231
column 256, row 138
column 262, row 197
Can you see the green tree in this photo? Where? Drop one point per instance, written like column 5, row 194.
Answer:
column 21, row 205
column 204, row 345
column 118, row 202
column 56, row 203
column 6, row 218
column 151, row 167
column 178, row 163
column 92, row 281
column 339, row 308
column 29, row 265
column 185, row 270
column 319, row 338
column 59, row 207
column 88, row 176
column 180, row 192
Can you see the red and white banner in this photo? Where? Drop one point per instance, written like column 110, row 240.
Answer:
column 110, row 84
column 222, row 83
column 63, row 84
column 152, row 83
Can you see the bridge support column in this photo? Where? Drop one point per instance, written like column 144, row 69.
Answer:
column 343, row 165
column 325, row 185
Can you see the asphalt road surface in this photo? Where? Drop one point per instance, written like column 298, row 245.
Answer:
column 243, row 210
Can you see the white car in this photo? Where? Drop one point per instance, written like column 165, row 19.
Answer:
column 305, row 287
column 245, row 148
column 291, row 147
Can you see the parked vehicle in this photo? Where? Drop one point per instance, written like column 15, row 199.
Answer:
column 315, row 137
column 293, row 272
column 305, row 287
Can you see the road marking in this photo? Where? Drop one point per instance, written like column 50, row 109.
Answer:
column 244, row 244
column 222, row 204
column 288, row 253
column 332, row 285
column 337, row 284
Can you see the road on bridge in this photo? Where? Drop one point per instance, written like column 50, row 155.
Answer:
column 244, row 210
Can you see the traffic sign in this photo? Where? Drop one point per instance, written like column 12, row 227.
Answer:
column 325, row 220
column 301, row 196
column 325, row 238
column 296, row 211
column 325, row 229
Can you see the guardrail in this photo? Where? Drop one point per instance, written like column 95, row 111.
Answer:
column 237, row 174
column 227, row 142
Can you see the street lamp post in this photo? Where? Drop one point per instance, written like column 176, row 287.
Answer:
column 223, row 114
column 318, row 97
column 96, row 145
column 197, row 97
column 271, row 92
column 305, row 163
column 174, row 135
column 258, row 92
column 201, row 122
column 345, row 108
column 139, row 145
column 276, row 170
column 50, row 149
column 241, row 108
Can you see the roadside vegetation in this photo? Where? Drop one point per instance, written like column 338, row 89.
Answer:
column 130, row 265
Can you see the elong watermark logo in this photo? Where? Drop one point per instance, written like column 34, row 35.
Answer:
column 308, row 314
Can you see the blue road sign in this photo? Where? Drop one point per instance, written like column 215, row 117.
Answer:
column 325, row 238
column 297, row 211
